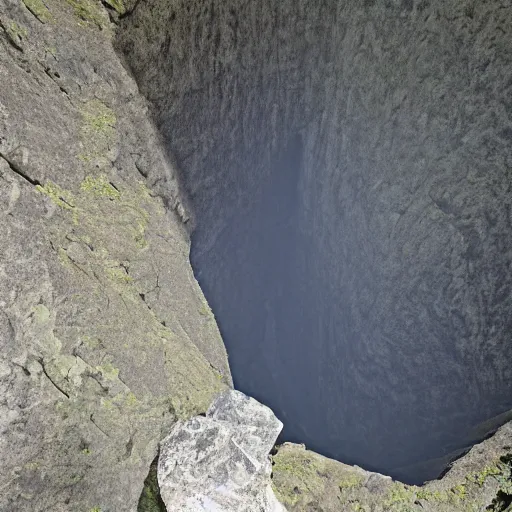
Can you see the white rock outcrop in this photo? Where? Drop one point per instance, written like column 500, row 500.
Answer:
column 221, row 462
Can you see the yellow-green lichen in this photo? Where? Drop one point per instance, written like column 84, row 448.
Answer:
column 32, row 466
column 118, row 274
column 86, row 451
column 98, row 117
column 62, row 198
column 41, row 314
column 131, row 400
column 358, row 507
column 484, row 474
column 108, row 371
column 64, row 258
column 89, row 11
column 205, row 310
column 91, row 343
column 38, row 9
column 120, row 401
column 97, row 134
column 351, row 481
column 453, row 496
column 301, row 475
column 99, row 186
column 16, row 33
column 59, row 196
column 140, row 230
column 117, row 5
column 400, row 497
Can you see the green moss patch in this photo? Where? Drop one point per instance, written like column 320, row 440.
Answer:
column 150, row 499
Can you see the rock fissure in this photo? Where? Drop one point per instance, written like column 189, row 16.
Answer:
column 51, row 380
column 17, row 170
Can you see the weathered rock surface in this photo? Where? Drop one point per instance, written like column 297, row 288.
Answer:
column 221, row 462
column 480, row 481
column 105, row 337
column 349, row 164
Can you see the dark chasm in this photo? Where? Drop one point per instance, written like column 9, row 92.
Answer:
column 349, row 170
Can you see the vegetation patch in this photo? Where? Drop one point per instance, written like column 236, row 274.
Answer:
column 100, row 187
column 39, row 10
column 98, row 117
column 297, row 474
column 118, row 274
column 60, row 197
column 89, row 11
column 350, row 481
column 108, row 371
column 400, row 497
column 150, row 499
column 16, row 33
column 117, row 5
column 98, row 133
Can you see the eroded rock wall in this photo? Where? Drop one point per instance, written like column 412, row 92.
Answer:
column 367, row 300
column 105, row 336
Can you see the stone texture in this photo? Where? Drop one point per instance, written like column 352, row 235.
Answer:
column 480, row 481
column 105, row 336
column 221, row 462
column 349, row 166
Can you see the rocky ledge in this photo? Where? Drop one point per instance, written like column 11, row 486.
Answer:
column 105, row 337
column 221, row 462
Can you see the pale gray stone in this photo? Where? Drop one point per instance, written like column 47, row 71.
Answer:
column 220, row 462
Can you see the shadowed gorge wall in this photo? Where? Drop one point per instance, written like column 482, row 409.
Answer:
column 349, row 168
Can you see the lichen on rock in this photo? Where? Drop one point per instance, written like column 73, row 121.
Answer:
column 479, row 481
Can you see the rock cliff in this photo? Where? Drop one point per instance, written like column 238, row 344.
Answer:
column 105, row 336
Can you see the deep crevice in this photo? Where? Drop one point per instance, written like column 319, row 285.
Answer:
column 150, row 499
column 501, row 503
column 16, row 169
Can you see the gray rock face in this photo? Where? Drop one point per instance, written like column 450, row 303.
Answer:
column 480, row 481
column 221, row 462
column 105, row 337
column 349, row 164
